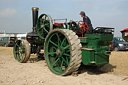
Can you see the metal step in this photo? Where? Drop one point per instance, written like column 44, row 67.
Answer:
column 83, row 48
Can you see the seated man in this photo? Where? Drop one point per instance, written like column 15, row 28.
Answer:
column 87, row 21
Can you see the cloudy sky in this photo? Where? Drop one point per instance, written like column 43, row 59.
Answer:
column 15, row 15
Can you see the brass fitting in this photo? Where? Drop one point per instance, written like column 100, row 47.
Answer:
column 35, row 9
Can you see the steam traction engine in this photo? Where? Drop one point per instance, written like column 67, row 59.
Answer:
column 65, row 45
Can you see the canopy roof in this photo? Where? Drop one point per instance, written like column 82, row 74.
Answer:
column 126, row 29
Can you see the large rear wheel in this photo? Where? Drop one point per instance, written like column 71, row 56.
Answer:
column 62, row 51
column 21, row 51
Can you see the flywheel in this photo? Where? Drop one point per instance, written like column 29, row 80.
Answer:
column 44, row 25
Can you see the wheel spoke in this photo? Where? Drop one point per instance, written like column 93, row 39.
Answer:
column 67, row 60
column 63, row 42
column 64, row 61
column 59, row 41
column 41, row 21
column 20, row 52
column 45, row 30
column 54, row 48
column 18, row 57
column 47, row 24
column 20, row 43
column 39, row 29
column 66, row 54
column 55, row 62
column 44, row 19
column 16, row 52
column 22, row 48
column 66, row 47
column 17, row 45
column 21, row 57
column 53, row 43
column 61, row 66
column 42, row 34
column 51, row 53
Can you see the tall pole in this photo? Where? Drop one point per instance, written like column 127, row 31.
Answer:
column 4, row 30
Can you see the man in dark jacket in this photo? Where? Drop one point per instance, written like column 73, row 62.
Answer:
column 87, row 21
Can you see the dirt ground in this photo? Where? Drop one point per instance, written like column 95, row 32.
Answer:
column 37, row 72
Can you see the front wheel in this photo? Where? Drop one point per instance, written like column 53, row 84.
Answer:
column 21, row 51
column 62, row 51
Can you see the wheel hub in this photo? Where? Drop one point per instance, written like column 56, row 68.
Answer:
column 58, row 52
column 42, row 26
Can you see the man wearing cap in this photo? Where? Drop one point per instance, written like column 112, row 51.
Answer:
column 87, row 21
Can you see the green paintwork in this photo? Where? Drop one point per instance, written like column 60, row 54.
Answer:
column 19, row 51
column 98, row 52
column 95, row 47
column 88, row 56
column 57, row 53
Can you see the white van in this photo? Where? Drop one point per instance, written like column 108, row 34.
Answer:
column 21, row 36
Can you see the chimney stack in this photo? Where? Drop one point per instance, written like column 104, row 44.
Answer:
column 35, row 17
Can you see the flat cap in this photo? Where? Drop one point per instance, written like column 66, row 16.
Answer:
column 82, row 13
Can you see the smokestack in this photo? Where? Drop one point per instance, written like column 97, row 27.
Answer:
column 35, row 17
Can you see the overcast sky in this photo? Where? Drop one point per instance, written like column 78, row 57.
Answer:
column 15, row 15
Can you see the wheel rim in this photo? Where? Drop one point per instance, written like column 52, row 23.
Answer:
column 19, row 51
column 57, row 53
column 44, row 25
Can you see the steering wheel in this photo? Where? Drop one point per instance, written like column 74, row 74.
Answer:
column 83, row 27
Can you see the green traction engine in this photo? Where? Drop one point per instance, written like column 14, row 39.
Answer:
column 66, row 45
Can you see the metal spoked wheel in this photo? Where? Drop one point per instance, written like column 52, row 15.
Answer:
column 21, row 51
column 62, row 51
column 44, row 25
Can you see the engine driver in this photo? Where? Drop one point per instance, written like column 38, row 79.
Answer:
column 87, row 21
